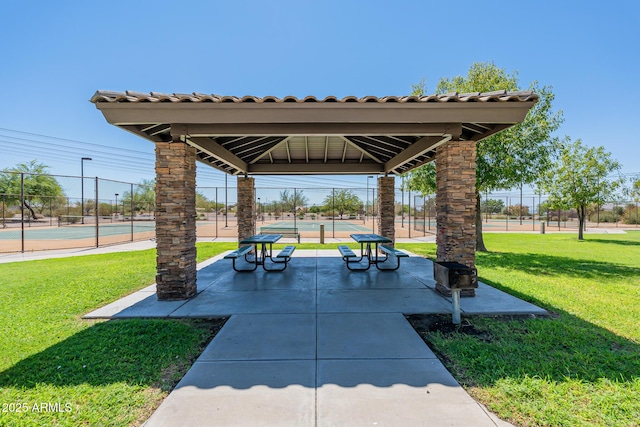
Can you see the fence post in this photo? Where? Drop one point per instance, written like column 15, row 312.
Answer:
column 97, row 215
column 131, row 212
column 533, row 213
column 508, row 212
column 3, row 220
column 22, row 211
column 429, row 201
column 409, row 217
column 216, row 212
column 333, row 211
column 424, row 216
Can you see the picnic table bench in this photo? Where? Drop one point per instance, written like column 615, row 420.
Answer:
column 261, row 245
column 284, row 231
column 241, row 251
column 391, row 251
column 370, row 254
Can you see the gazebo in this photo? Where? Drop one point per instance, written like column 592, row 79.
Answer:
column 251, row 136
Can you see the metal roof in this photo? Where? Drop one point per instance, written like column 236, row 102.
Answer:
column 351, row 135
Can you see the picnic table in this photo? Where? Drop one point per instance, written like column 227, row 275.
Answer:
column 369, row 253
column 262, row 246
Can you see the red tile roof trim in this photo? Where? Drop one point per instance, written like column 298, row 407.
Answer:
column 130, row 96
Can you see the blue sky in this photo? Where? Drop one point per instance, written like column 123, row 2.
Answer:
column 55, row 55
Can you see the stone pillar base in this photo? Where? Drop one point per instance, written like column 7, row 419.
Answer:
column 386, row 208
column 175, row 220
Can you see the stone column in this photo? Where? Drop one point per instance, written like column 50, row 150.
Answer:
column 386, row 207
column 245, row 210
column 456, row 205
column 175, row 220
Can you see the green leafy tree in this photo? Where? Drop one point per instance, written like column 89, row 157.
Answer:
column 580, row 179
column 39, row 188
column 492, row 206
column 516, row 156
column 343, row 201
column 421, row 180
column 144, row 196
column 291, row 200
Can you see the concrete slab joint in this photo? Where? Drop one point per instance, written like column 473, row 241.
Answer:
column 456, row 205
column 175, row 220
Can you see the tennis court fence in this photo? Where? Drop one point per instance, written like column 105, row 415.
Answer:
column 43, row 212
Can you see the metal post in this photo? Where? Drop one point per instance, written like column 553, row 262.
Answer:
column 521, row 207
column 295, row 202
column 424, row 216
column 508, row 212
column 429, row 212
column 409, row 218
column 131, row 213
column 333, row 210
column 455, row 301
column 216, row 212
column 3, row 220
column 226, row 206
column 402, row 203
column 22, row 210
column 82, row 187
column 50, row 213
column 486, row 207
column 97, row 216
column 117, row 206
column 533, row 213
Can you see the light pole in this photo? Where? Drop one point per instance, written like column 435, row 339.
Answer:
column 367, row 205
column 259, row 207
column 117, row 206
column 82, row 186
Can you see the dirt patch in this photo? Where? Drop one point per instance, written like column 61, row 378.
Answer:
column 424, row 323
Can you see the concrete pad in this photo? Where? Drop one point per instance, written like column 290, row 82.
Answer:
column 212, row 303
column 369, row 336
column 299, row 274
column 382, row 301
column 264, row 337
column 489, row 300
column 139, row 304
column 393, row 392
column 267, row 393
column 334, row 274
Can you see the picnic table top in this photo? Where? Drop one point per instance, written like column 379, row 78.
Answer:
column 370, row 238
column 262, row 238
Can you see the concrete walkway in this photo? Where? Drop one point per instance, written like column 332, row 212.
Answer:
column 317, row 345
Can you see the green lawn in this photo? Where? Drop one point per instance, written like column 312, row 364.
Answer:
column 579, row 367
column 88, row 373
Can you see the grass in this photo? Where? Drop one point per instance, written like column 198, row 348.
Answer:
column 579, row 367
column 111, row 373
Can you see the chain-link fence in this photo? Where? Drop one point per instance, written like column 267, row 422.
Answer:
column 40, row 212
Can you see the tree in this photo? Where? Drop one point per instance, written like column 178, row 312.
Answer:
column 422, row 180
column 144, row 196
column 39, row 188
column 492, row 206
column 516, row 156
column 290, row 201
column 343, row 201
column 580, row 178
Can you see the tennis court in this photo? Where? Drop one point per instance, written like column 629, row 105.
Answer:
column 77, row 232
column 307, row 226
